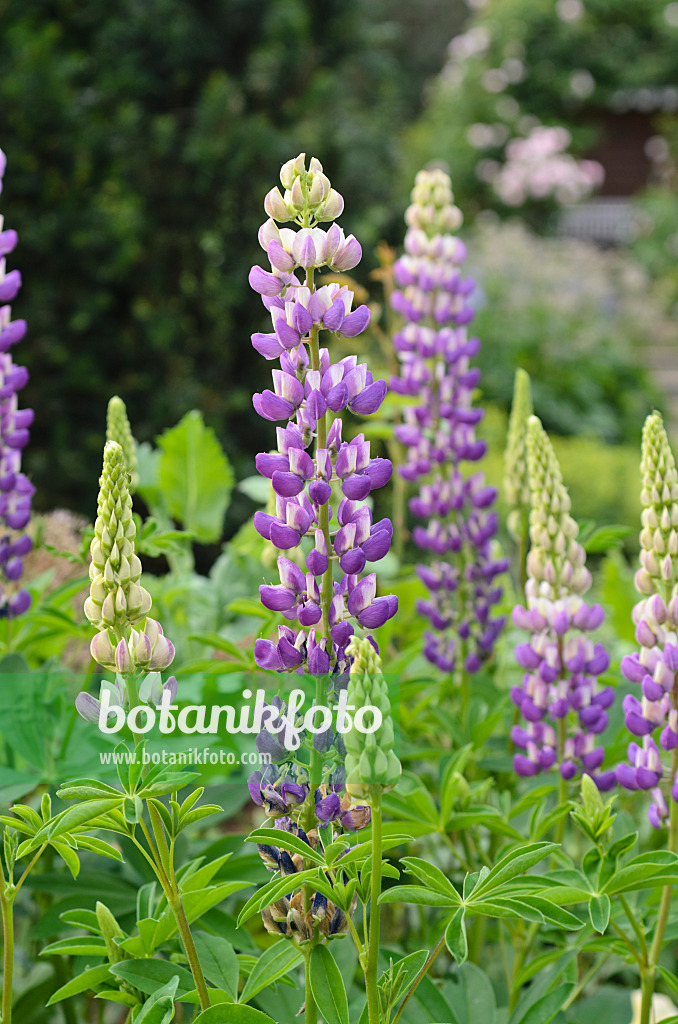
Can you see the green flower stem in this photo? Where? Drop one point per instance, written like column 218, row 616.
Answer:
column 371, row 971
column 189, row 947
column 8, row 894
column 324, row 518
column 310, row 1008
column 7, row 900
column 162, row 862
column 173, row 896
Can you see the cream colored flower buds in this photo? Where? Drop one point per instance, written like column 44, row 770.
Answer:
column 370, row 757
column 516, row 474
column 118, row 605
column 306, row 192
column 433, row 209
column 659, row 496
column 556, row 562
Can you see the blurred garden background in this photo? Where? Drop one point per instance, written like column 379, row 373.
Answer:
column 142, row 136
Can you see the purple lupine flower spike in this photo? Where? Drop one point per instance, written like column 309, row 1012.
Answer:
column 312, row 460
column 652, row 716
column 16, row 490
column 439, row 432
column 560, row 699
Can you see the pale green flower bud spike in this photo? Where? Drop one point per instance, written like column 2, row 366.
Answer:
column 516, row 474
column 117, row 601
column 432, row 209
column 118, row 429
column 370, row 758
column 659, row 498
column 556, row 564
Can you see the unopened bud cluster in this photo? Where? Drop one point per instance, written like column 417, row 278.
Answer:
column 118, row 605
column 118, row 429
column 556, row 563
column 305, row 191
column 562, row 704
column 370, row 758
column 652, row 718
column 516, row 474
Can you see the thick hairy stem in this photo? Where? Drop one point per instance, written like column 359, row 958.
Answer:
column 189, row 947
column 371, row 972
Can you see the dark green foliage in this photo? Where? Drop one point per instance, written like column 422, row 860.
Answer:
column 141, row 139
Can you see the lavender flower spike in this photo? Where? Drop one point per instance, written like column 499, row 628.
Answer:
column 16, row 491
column 652, row 717
column 564, row 708
column 439, row 432
column 308, row 395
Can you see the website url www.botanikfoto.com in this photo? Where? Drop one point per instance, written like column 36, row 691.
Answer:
column 192, row 756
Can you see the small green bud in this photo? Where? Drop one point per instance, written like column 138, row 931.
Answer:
column 370, row 757
column 118, row 429
column 112, row 933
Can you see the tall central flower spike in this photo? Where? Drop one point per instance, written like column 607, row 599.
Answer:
column 653, row 717
column 439, row 432
column 16, row 491
column 308, row 396
column 118, row 606
column 564, row 708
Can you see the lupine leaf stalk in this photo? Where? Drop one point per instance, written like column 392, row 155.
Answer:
column 16, row 490
column 563, row 707
column 516, row 474
column 652, row 718
column 439, row 432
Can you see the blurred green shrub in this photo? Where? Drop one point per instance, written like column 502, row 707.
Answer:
column 603, row 480
column 655, row 244
column 141, row 139
column 576, row 318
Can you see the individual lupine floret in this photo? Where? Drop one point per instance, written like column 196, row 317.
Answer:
column 118, row 605
column 370, row 757
column 118, row 429
column 439, row 432
column 516, row 474
column 311, row 456
column 16, row 490
column 559, row 697
column 655, row 667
